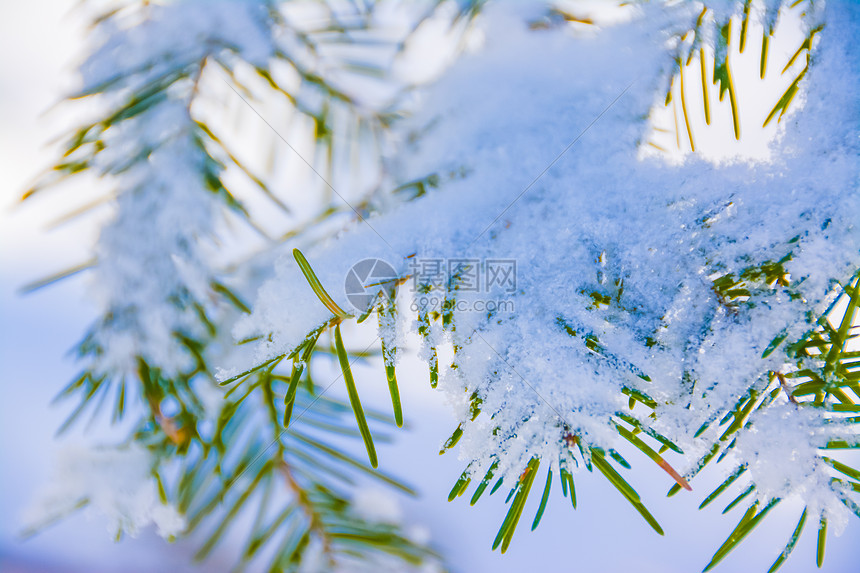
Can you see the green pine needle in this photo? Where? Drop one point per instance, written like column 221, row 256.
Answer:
column 624, row 488
column 395, row 394
column 567, row 485
column 822, row 538
column 657, row 458
column 509, row 525
column 739, row 498
column 317, row 286
column 484, row 483
column 723, row 486
column 747, row 523
column 452, row 441
column 461, row 485
column 353, row 397
column 544, row 498
column 789, row 547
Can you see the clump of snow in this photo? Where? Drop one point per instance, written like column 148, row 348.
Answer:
column 782, row 462
column 151, row 44
column 534, row 141
column 376, row 506
column 781, row 452
column 154, row 268
column 115, row 483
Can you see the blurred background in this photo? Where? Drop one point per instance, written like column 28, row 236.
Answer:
column 41, row 42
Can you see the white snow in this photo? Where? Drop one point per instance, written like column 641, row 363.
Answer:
column 376, row 506
column 115, row 483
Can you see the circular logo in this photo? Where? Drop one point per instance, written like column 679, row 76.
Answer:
column 366, row 280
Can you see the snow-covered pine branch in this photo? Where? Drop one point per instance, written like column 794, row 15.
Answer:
column 680, row 300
